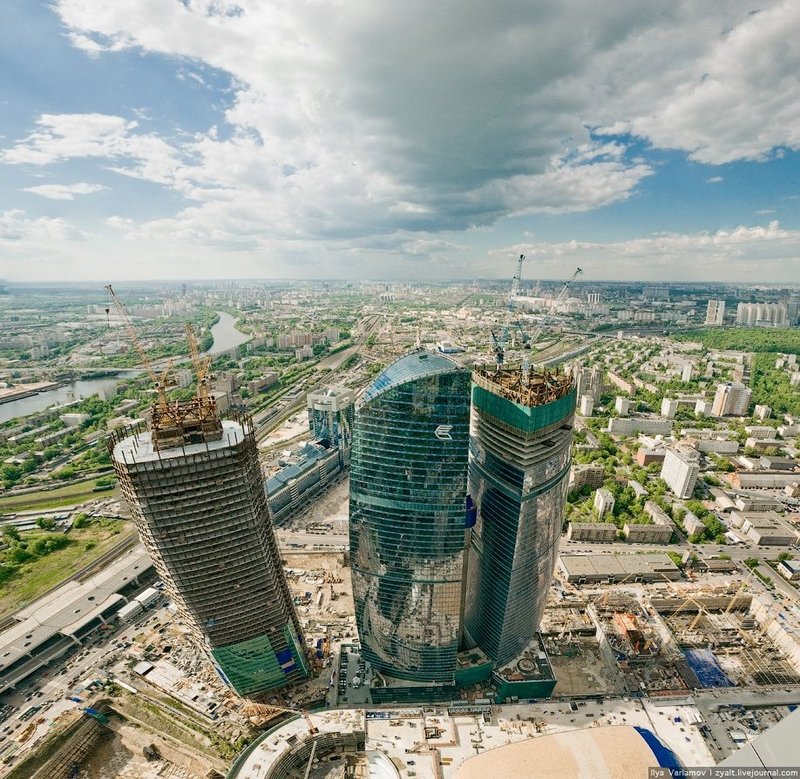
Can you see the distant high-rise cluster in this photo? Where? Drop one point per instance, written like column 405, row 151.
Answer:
column 715, row 312
column 762, row 314
column 447, row 557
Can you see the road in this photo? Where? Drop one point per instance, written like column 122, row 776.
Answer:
column 52, row 687
column 328, row 366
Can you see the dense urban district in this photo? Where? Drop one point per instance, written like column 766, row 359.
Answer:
column 265, row 530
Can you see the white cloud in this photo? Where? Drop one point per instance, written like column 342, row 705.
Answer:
column 724, row 254
column 64, row 191
column 714, row 180
column 357, row 123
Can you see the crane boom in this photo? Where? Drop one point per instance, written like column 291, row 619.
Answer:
column 160, row 382
column 559, row 298
column 500, row 340
column 122, row 313
column 201, row 364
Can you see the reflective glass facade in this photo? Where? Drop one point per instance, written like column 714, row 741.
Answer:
column 408, row 485
column 518, row 474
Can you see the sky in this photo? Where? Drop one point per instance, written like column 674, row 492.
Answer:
column 345, row 139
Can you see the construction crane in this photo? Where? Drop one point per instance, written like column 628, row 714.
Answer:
column 162, row 382
column 561, row 295
column 201, row 364
column 500, row 340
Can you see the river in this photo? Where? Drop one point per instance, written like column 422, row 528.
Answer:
column 75, row 390
column 226, row 336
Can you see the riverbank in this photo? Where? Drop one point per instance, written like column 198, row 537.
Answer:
column 20, row 391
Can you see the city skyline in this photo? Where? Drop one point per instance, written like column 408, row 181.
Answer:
column 208, row 139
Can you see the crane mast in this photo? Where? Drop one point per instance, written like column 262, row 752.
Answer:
column 161, row 383
column 200, row 364
column 176, row 423
column 500, row 340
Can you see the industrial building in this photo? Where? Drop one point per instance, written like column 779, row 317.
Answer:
column 194, row 488
column 519, row 467
column 590, row 569
column 408, row 492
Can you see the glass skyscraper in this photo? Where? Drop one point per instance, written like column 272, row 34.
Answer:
column 408, row 487
column 518, row 474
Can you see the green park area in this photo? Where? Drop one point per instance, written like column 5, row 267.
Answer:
column 745, row 339
column 34, row 561
column 70, row 495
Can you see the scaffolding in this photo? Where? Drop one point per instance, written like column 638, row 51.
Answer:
column 525, row 388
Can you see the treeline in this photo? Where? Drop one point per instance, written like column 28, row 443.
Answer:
column 772, row 386
column 745, row 339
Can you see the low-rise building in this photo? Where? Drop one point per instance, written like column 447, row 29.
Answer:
column 759, row 431
column 761, row 444
column 789, row 569
column 716, row 445
column 647, row 534
column 772, row 463
column 592, row 531
column 692, row 524
column 262, row 383
column 648, row 455
column 622, row 405
column 591, row 475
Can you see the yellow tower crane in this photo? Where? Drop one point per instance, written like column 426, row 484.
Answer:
column 201, row 365
column 162, row 382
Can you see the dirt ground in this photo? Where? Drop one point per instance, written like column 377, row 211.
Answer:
column 584, row 672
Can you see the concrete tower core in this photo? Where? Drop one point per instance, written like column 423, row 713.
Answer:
column 195, row 490
column 520, row 441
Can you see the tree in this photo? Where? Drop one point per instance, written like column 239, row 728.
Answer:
column 10, row 533
column 46, row 523
column 82, row 520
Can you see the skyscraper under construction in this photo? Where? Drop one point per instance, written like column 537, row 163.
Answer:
column 195, row 490
column 520, row 443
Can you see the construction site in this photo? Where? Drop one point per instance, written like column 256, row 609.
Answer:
column 669, row 639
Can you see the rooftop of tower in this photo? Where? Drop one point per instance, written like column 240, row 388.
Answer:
column 529, row 389
column 142, row 446
column 184, row 422
column 413, row 366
